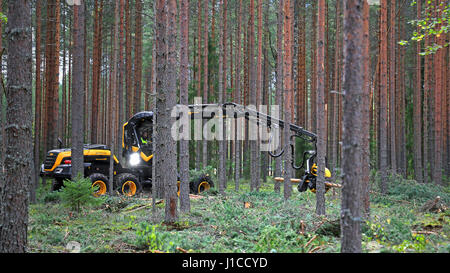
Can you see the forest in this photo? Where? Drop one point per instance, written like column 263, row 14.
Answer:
column 224, row 126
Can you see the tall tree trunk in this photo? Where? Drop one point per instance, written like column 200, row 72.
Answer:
column 184, row 86
column 78, row 92
column 252, row 124
column 354, row 120
column 138, row 57
column 38, row 98
column 222, row 97
column 313, row 94
column 259, row 87
column 320, row 110
column 354, row 124
column 96, row 67
column 238, row 95
column 199, row 143
column 337, row 89
column 301, row 66
column 18, row 133
column 365, row 168
column 113, row 123
column 129, row 62
column 205, row 73
column 438, row 95
column 392, row 89
column 121, row 68
column 289, row 94
column 166, row 99
column 383, row 154
column 418, row 168
column 279, row 82
column 52, row 73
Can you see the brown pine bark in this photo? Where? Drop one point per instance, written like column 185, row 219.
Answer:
column 238, row 95
column 383, row 122
column 199, row 143
column 113, row 106
column 313, row 94
column 184, row 86
column 301, row 66
column 353, row 122
column 18, row 130
column 205, row 72
column 222, row 96
column 96, row 66
column 417, row 114
column 320, row 110
column 38, row 96
column 253, row 97
column 438, row 91
column 365, row 108
column 52, row 73
column 128, row 78
column 259, row 86
column 78, row 91
column 337, row 90
column 122, row 42
column 138, row 57
column 279, row 82
column 288, row 92
column 392, row 89
column 166, row 163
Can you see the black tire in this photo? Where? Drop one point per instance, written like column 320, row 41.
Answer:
column 201, row 184
column 101, row 181
column 128, row 184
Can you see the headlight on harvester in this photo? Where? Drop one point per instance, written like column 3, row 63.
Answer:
column 134, row 159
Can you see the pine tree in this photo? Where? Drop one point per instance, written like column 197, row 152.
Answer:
column 18, row 130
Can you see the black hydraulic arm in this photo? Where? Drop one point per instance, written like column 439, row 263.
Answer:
column 231, row 109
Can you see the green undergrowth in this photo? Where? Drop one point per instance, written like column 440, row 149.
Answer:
column 242, row 221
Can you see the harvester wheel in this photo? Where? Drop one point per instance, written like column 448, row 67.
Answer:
column 128, row 184
column 99, row 181
column 203, row 183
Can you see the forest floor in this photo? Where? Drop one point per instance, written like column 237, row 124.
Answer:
column 243, row 222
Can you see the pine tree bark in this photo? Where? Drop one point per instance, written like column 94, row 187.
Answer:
column 184, row 86
column 52, row 73
column 129, row 62
column 238, row 95
column 392, row 89
column 205, row 73
column 353, row 122
column 78, row 91
column 383, row 152
column 222, row 94
column 279, row 82
column 96, row 66
column 320, row 111
column 438, row 95
column 289, row 94
column 138, row 57
column 365, row 169
column 38, row 98
column 166, row 162
column 18, row 130
column 252, row 97
column 418, row 169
